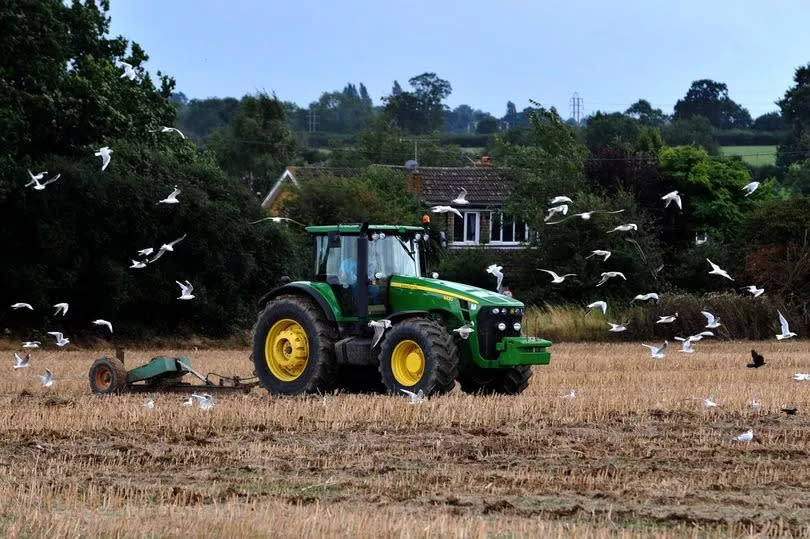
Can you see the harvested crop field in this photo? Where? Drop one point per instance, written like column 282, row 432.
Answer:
column 632, row 454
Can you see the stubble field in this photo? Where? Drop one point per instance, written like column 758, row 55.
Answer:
column 632, row 454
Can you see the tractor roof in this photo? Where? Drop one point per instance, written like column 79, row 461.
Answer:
column 355, row 229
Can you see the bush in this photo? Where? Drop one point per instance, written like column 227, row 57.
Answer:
column 749, row 137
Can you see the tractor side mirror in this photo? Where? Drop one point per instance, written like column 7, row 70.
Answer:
column 334, row 239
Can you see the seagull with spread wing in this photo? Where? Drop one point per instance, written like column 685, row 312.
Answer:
column 610, row 275
column 585, row 216
column 717, row 270
column 669, row 198
column 783, row 324
column 277, row 220
column 445, row 209
column 461, row 199
column 172, row 198
column 167, row 248
column 557, row 279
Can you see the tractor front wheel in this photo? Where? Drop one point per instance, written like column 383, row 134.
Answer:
column 108, row 375
column 506, row 381
column 418, row 354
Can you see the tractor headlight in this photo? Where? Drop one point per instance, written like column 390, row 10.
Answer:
column 496, row 311
column 502, row 326
column 516, row 326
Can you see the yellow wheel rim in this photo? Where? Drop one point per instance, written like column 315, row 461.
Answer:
column 408, row 363
column 286, row 350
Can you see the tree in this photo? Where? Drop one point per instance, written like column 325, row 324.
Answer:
column 511, row 116
column 487, row 125
column 770, row 121
column 610, row 129
column 201, row 117
column 419, row 111
column 795, row 107
column 710, row 99
column 396, row 89
column 642, row 111
column 695, row 130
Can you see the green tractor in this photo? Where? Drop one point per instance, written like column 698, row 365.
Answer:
column 309, row 334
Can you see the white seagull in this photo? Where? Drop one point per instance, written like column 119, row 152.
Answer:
column 756, row 292
column 17, row 306
column 700, row 239
column 717, row 270
column 560, row 200
column 657, row 352
column 60, row 339
column 686, row 345
column 129, row 72
column 461, row 199
column 786, row 333
column 146, row 252
column 571, row 395
column 166, row 129
column 697, row 337
column 104, row 153
column 445, row 209
column 597, row 305
column 557, row 279
column 746, row 436
column 464, row 331
column 616, row 328
column 802, row 377
column 609, row 275
column 646, row 297
column 167, row 248
column 37, row 177
column 750, row 188
column 188, row 402
column 562, row 208
column 185, row 291
column 206, row 400
column 584, row 215
column 624, row 228
column 672, row 197
column 31, row 344
column 137, row 264
column 101, row 322
column 61, row 308
column 22, row 362
column 496, row 270
column 416, row 398
column 172, row 198
column 711, row 320
column 40, row 186
column 149, row 405
column 47, row 378
column 379, row 329
column 600, row 252
column 667, row 319
column 278, row 220
column 707, row 403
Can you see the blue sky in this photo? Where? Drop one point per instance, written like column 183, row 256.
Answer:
column 611, row 53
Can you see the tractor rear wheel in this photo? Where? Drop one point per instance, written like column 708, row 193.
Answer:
column 506, row 381
column 107, row 375
column 418, row 354
column 294, row 347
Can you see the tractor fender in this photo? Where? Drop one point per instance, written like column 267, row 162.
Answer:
column 396, row 317
column 297, row 288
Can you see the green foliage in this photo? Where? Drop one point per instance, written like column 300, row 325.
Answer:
column 795, row 107
column 419, row 111
column 695, row 130
column 646, row 115
column 610, row 129
column 201, row 117
column 770, row 121
column 797, row 177
column 487, row 125
column 710, row 99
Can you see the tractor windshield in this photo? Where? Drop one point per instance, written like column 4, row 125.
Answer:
column 393, row 255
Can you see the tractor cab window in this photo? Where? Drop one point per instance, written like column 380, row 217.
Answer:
column 336, row 264
column 393, row 255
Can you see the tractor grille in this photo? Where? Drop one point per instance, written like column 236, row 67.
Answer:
column 488, row 332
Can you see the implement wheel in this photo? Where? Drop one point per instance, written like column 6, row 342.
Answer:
column 418, row 354
column 108, row 375
column 293, row 347
column 507, row 381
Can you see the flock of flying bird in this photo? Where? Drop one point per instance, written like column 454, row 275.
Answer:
column 145, row 257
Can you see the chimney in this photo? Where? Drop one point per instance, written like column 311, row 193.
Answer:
column 485, row 162
column 416, row 184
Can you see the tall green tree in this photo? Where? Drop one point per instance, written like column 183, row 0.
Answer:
column 611, row 129
column 795, row 107
column 644, row 112
column 421, row 110
column 710, row 99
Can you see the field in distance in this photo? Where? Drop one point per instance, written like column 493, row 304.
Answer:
column 753, row 155
column 634, row 453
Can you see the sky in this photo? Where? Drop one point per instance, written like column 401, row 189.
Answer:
column 610, row 53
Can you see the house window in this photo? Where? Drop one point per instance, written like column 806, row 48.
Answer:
column 466, row 228
column 505, row 229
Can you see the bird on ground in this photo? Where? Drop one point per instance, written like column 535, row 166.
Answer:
column 801, row 377
column 167, row 129
column 129, row 71
column 149, row 405
column 379, row 329
column 609, row 275
column 746, row 436
column 750, row 188
column 497, row 271
column 37, row 186
column 137, row 264
column 667, row 319
column 756, row 292
column 657, row 352
column 185, row 291
column 104, row 153
column 783, row 324
column 47, row 378
column 584, row 215
column 669, row 198
column 560, row 200
column 755, row 404
column 700, row 239
column 101, row 322
column 461, row 199
column 21, row 362
column 650, row 296
column 600, row 252
column 172, row 198
column 757, row 360
column 554, row 210
column 277, row 220
column 597, row 305
column 717, row 270
column 707, row 403
column 61, row 308
column 188, row 402
column 789, row 410
column 557, row 279
column 445, row 209
column 686, row 346
column 17, row 306
column 167, row 248
column 31, row 344
column 616, row 328
column 624, row 228
column 416, row 398
column 571, row 395
column 60, row 339
column 464, row 331
column 206, row 400
column 711, row 320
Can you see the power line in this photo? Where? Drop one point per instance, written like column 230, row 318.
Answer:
column 576, row 107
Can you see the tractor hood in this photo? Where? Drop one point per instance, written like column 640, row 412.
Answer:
column 450, row 289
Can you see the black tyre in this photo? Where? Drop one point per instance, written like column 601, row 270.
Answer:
column 418, row 354
column 108, row 375
column 507, row 381
column 294, row 347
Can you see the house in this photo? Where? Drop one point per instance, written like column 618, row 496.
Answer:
column 482, row 221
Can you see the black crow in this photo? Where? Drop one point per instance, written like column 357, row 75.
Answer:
column 758, row 362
